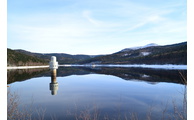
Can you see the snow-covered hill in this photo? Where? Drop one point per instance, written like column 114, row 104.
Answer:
column 139, row 47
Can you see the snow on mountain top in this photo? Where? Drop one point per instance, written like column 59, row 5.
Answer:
column 140, row 47
column 150, row 45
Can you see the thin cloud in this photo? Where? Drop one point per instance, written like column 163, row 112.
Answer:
column 87, row 15
column 83, row 24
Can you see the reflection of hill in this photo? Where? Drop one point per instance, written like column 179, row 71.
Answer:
column 145, row 74
column 23, row 74
column 66, row 71
column 152, row 76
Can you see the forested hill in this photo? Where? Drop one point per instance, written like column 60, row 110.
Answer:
column 62, row 58
column 15, row 58
column 149, row 54
column 168, row 54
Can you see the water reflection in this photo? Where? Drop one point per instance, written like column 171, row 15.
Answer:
column 25, row 74
column 54, row 83
column 152, row 76
column 111, row 91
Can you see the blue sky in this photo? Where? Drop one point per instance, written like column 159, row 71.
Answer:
column 94, row 26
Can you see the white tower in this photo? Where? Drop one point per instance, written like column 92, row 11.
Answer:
column 53, row 66
column 53, row 63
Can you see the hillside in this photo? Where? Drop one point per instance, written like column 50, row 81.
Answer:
column 169, row 54
column 62, row 58
column 149, row 54
column 15, row 58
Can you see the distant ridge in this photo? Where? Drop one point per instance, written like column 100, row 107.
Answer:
column 148, row 54
column 62, row 58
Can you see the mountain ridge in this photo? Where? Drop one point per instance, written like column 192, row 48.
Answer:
column 62, row 58
column 148, row 54
column 166, row 54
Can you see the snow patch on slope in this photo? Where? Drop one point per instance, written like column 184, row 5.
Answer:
column 145, row 53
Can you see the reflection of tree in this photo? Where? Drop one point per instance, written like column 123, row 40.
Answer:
column 145, row 74
column 24, row 74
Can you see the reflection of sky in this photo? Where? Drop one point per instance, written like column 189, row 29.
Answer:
column 105, row 91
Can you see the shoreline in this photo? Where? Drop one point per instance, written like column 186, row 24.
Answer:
column 27, row 67
column 166, row 66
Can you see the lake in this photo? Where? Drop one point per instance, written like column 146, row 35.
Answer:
column 98, row 93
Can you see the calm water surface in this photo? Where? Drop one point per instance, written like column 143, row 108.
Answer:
column 112, row 93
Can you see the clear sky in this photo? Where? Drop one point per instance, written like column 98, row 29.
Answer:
column 94, row 26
